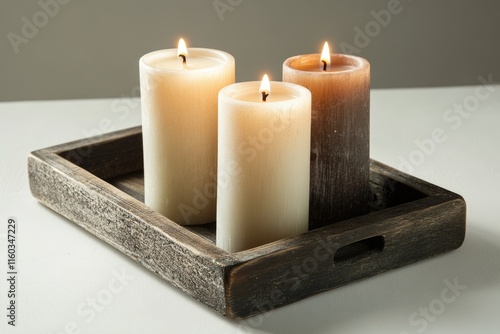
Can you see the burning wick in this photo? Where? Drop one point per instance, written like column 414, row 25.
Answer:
column 325, row 56
column 182, row 51
column 265, row 88
column 264, row 96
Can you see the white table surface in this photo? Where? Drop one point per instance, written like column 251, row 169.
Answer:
column 63, row 270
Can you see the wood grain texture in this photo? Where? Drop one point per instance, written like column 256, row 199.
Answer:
column 102, row 191
column 340, row 155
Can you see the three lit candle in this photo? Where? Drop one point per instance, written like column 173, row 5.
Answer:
column 179, row 129
column 264, row 139
column 340, row 135
column 253, row 165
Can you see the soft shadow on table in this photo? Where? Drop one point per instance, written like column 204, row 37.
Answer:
column 393, row 295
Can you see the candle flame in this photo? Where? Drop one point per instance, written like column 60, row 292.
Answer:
column 325, row 56
column 265, row 87
column 182, row 50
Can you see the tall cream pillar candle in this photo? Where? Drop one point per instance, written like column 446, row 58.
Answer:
column 179, row 129
column 340, row 133
column 263, row 164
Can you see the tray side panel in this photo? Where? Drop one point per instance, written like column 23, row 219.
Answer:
column 66, row 191
column 107, row 155
column 310, row 264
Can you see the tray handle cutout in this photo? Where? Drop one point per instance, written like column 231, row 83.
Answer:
column 359, row 249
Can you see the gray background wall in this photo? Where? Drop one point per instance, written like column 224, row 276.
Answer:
column 90, row 49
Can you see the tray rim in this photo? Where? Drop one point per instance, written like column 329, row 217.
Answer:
column 54, row 154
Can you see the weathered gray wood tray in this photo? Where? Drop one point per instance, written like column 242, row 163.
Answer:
column 98, row 184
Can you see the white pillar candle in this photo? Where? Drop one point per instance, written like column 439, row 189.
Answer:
column 263, row 164
column 179, row 128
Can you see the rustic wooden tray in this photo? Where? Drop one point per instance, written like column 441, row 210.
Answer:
column 98, row 184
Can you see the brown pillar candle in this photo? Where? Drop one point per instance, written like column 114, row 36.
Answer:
column 340, row 133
